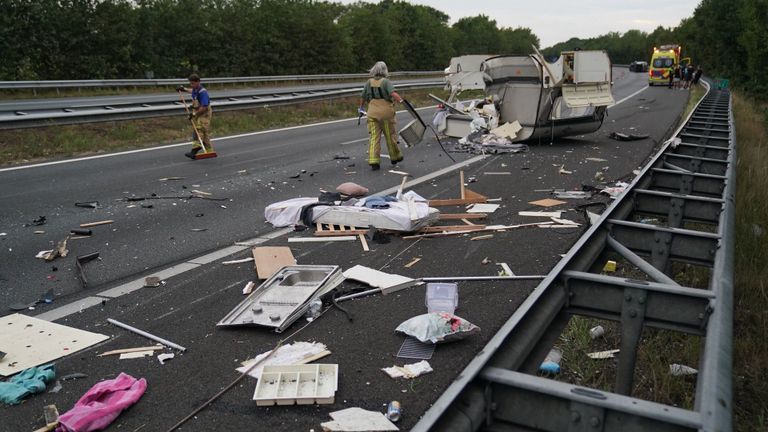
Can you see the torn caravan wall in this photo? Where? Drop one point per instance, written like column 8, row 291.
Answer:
column 565, row 98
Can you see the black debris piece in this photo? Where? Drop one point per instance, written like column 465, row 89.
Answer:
column 37, row 222
column 80, row 231
column 88, row 204
column 79, row 262
column 618, row 136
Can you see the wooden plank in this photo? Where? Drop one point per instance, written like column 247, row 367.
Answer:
column 270, row 259
column 340, row 233
column 318, row 226
column 547, row 202
column 130, row 350
column 93, row 224
column 412, row 263
column 321, row 239
column 450, row 216
column 470, row 194
column 482, row 237
column 363, row 242
column 447, row 228
column 461, row 182
column 455, row 202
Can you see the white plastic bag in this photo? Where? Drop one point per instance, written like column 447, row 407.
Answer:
column 437, row 327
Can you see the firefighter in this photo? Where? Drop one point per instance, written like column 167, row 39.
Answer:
column 200, row 116
column 380, row 95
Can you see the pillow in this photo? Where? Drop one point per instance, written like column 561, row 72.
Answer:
column 352, row 189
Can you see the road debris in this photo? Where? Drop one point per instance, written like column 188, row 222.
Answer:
column 596, row 332
column 199, row 229
column 408, row 371
column 164, row 357
column 26, row 383
column 387, row 283
column 352, row 189
column 46, row 342
column 269, row 259
column 80, row 232
column 136, row 354
column 437, row 327
column 482, row 237
column 618, row 136
column 296, row 353
column 601, row 355
column 131, row 350
column 36, row 222
column 358, row 419
column 93, row 224
column 547, row 202
column 297, row 384
column 615, row 191
column 394, row 411
column 562, row 170
column 165, row 179
column 594, row 159
column 79, row 262
column 610, row 266
column 483, row 208
column 681, row 370
column 248, row 288
column 412, row 262
column 146, row 335
column 555, row 214
column 152, row 281
column 572, row 194
column 551, row 363
column 102, row 404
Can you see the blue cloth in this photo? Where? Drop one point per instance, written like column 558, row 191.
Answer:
column 25, row 383
column 201, row 95
column 376, row 202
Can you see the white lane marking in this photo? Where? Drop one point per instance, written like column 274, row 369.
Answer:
column 630, row 96
column 127, row 152
column 354, row 141
column 121, row 290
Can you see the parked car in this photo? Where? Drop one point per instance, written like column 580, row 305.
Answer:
column 638, row 66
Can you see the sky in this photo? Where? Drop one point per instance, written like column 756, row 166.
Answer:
column 559, row 20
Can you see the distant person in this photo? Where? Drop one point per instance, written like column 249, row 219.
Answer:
column 688, row 76
column 697, row 75
column 200, row 115
column 379, row 93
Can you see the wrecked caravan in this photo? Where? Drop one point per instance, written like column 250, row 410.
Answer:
column 547, row 100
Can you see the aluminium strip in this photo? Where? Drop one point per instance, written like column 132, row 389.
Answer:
column 542, row 297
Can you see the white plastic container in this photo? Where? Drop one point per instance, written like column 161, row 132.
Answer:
column 442, row 297
column 297, row 384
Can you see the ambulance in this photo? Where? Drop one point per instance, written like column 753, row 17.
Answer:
column 663, row 58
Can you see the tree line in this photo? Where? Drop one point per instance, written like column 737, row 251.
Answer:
column 727, row 38
column 102, row 39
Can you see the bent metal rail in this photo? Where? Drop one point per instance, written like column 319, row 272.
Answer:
column 690, row 186
column 91, row 114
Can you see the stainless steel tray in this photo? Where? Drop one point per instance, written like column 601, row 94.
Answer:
column 284, row 297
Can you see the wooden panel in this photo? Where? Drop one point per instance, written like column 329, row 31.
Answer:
column 270, row 259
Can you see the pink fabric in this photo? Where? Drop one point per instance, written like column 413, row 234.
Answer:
column 101, row 405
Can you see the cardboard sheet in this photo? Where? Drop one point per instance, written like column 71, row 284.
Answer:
column 270, row 259
column 547, row 202
column 32, row 342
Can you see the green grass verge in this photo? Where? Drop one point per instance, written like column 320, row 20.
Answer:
column 27, row 145
column 750, row 344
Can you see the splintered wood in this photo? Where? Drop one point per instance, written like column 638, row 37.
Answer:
column 330, row 230
column 467, row 196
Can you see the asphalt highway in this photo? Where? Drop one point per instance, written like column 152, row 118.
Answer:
column 251, row 172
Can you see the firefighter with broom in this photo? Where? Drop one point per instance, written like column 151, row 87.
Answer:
column 200, row 117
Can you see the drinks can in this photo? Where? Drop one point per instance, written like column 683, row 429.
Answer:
column 394, row 411
column 596, row 332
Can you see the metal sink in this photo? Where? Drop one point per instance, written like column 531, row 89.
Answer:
column 284, row 297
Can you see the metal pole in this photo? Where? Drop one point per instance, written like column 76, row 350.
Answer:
column 481, row 278
column 640, row 263
column 147, row 335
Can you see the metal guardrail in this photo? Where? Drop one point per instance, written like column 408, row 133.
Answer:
column 19, row 85
column 100, row 113
column 689, row 186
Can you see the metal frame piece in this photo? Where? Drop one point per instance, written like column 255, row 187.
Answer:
column 690, row 182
